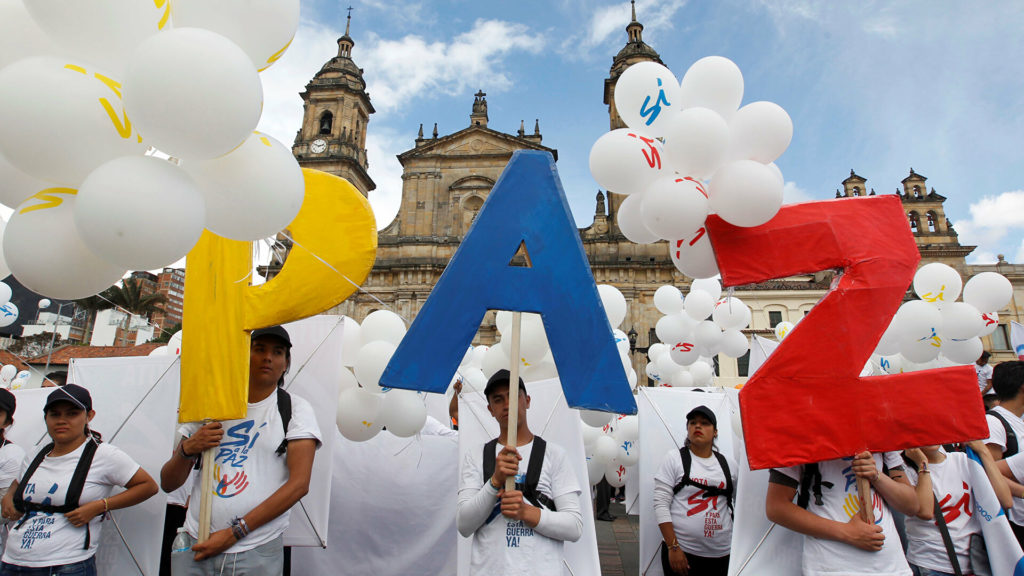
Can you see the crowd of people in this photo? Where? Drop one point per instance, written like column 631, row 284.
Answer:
column 518, row 503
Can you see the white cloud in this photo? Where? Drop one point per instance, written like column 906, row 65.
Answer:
column 981, row 257
column 792, row 194
column 1004, row 210
column 382, row 144
column 993, row 218
column 410, row 67
column 1020, row 252
column 608, row 21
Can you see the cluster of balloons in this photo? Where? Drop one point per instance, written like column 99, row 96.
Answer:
column 8, row 310
column 364, row 407
column 693, row 330
column 610, row 442
column 937, row 330
column 12, row 379
column 95, row 95
column 690, row 150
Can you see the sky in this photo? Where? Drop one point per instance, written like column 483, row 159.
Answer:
column 877, row 87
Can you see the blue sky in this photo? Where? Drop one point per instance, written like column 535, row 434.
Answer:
column 878, row 87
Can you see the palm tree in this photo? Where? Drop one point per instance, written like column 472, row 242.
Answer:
column 128, row 297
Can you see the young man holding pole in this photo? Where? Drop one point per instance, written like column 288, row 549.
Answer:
column 540, row 513
column 262, row 467
column 840, row 536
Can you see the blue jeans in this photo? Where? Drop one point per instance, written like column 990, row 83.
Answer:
column 83, row 568
column 264, row 560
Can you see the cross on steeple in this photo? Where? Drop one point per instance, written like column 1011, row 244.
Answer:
column 348, row 21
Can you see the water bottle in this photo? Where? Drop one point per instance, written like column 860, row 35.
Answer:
column 181, row 541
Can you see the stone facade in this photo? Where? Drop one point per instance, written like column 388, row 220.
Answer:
column 446, row 179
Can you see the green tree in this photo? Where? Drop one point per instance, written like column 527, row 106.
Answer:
column 128, row 297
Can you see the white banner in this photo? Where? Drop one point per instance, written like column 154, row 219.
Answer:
column 552, row 419
column 1004, row 553
column 662, row 414
column 760, row 350
column 1017, row 339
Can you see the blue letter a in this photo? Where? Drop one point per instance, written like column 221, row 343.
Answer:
column 527, row 206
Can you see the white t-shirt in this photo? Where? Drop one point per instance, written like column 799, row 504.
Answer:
column 49, row 539
column 997, row 436
column 11, row 459
column 951, row 485
column 840, row 503
column 247, row 470
column 702, row 524
column 506, row 547
column 984, row 375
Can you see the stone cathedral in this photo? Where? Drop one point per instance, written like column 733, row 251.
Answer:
column 446, row 179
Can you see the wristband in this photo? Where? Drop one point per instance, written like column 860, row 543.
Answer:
column 674, row 545
column 106, row 506
column 181, row 449
column 491, row 481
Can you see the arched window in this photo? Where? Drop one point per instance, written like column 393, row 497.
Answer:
column 915, row 222
column 326, row 123
column 856, row 191
column 917, row 191
column 933, row 226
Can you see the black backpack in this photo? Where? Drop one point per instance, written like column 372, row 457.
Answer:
column 74, row 492
column 529, row 488
column 1011, row 436
column 684, row 454
column 811, row 483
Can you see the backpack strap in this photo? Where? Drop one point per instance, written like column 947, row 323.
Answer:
column 728, row 478
column 684, row 454
column 940, row 521
column 1011, row 436
column 489, row 459
column 810, row 483
column 530, row 492
column 74, row 492
column 284, row 407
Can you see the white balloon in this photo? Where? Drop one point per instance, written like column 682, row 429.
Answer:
column 655, row 350
column 614, row 304
column 544, row 370
column 533, row 342
column 703, row 373
column 782, row 329
column 674, row 207
column 668, row 299
column 685, row 352
column 625, row 161
column 988, row 291
column 102, row 32
column 631, row 222
column 889, row 343
column 9, row 371
column 699, row 305
column 192, row 93
column 696, row 141
column 960, row 321
column 667, row 364
column 615, row 473
column 760, row 131
column 43, row 248
column 713, row 82
column 708, row 334
column 139, row 212
column 921, row 351
column 694, row 256
column 159, row 351
column 621, row 341
column 15, row 185
column 734, row 344
column 473, row 380
column 494, row 359
column 712, row 286
column 671, row 328
column 382, row 325
column 503, row 321
column 595, row 469
column 590, row 435
column 745, row 193
column 264, row 29
column 778, row 173
column 652, row 372
column 990, row 321
column 682, row 379
column 403, row 412
column 937, row 283
column 632, row 378
column 358, row 414
column 918, row 320
column 61, row 119
column 477, row 360
column 20, row 36
column 351, row 341
column 174, row 343
column 628, row 428
column 731, row 314
column 646, row 96
column 605, row 448
column 892, row 364
column 43, row 303
column 259, row 181
column 5, row 295
column 962, row 351
column 8, row 314
column 347, row 380
column 373, row 359
column 627, row 454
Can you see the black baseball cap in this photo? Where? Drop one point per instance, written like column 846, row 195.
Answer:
column 275, row 331
column 705, row 412
column 7, row 402
column 499, row 378
column 72, row 393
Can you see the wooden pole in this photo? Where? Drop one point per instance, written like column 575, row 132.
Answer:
column 867, row 506
column 513, row 392
column 206, row 495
